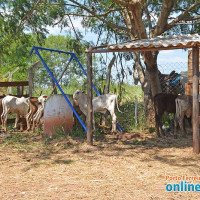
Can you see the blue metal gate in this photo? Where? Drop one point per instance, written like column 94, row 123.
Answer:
column 72, row 56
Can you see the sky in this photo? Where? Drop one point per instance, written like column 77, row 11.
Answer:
column 168, row 60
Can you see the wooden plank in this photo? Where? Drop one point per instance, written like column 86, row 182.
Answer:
column 191, row 83
column 15, row 83
column 188, row 89
column 195, row 116
column 89, row 100
column 190, row 66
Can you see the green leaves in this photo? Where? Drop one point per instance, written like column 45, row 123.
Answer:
column 21, row 16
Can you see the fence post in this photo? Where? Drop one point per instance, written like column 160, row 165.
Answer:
column 20, row 90
column 30, row 77
column 30, row 81
column 195, row 124
column 89, row 100
column 136, row 107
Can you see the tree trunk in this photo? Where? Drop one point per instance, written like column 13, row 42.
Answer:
column 148, row 102
column 154, row 85
column 150, row 60
column 107, row 88
column 144, row 78
column 108, row 74
column 54, row 87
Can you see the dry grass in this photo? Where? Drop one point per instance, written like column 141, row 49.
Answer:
column 133, row 166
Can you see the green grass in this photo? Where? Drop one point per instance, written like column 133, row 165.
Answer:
column 127, row 119
column 20, row 140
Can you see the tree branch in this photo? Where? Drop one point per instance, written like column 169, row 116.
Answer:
column 182, row 16
column 56, row 4
column 192, row 18
column 73, row 28
column 100, row 15
column 100, row 18
column 188, row 23
column 122, row 3
column 163, row 16
column 28, row 15
column 59, row 20
column 148, row 17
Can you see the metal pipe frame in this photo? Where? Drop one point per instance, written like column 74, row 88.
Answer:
column 73, row 56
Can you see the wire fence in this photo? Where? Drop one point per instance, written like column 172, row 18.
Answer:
column 173, row 77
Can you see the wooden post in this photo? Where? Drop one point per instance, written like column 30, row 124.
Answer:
column 195, row 125
column 30, row 77
column 30, row 80
column 20, row 90
column 89, row 100
column 136, row 108
column 9, row 90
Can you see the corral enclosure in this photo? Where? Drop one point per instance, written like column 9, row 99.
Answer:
column 132, row 165
column 119, row 44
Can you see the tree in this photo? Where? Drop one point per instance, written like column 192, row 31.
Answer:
column 137, row 19
column 17, row 19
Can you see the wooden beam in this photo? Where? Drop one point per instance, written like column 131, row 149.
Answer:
column 89, row 100
column 15, row 83
column 195, row 116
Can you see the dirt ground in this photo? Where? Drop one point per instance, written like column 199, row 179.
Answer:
column 117, row 167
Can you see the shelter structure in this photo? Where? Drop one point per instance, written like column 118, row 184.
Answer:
column 153, row 44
